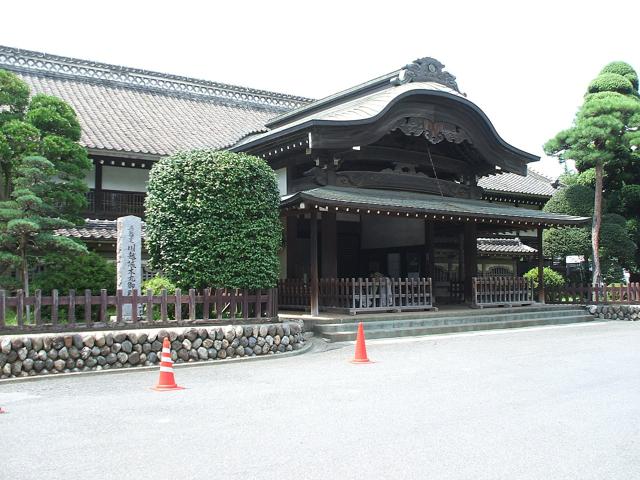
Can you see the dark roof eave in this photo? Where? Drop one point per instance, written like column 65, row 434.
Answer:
column 299, row 197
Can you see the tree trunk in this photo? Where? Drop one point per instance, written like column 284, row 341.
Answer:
column 595, row 228
column 25, row 275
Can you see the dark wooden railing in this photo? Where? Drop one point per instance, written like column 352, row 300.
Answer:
column 582, row 293
column 502, row 291
column 112, row 203
column 354, row 295
column 87, row 311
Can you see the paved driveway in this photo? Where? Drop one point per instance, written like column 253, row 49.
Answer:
column 543, row 403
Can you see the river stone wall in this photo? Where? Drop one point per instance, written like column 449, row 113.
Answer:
column 615, row 312
column 42, row 354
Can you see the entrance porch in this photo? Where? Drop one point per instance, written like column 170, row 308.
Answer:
column 362, row 250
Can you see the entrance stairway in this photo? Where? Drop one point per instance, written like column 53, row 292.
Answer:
column 452, row 321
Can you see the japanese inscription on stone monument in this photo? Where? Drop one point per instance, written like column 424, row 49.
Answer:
column 129, row 252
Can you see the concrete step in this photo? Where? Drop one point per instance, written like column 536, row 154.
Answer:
column 327, row 319
column 432, row 320
column 469, row 326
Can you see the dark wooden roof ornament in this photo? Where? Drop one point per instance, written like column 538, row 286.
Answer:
column 434, row 131
column 425, row 69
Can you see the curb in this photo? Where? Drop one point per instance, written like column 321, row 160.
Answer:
column 152, row 368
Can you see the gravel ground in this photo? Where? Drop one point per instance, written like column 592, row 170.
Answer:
column 540, row 403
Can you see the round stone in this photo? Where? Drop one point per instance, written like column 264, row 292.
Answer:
column 186, row 344
column 285, row 341
column 122, row 357
column 95, row 351
column 89, row 341
column 127, row 346
column 173, row 335
column 197, row 343
column 22, row 353
column 252, row 342
column 134, row 358
column 208, row 343
column 119, row 337
column 146, row 347
column 203, row 354
column 230, row 351
column 229, row 334
column 248, row 351
column 38, row 344
column 91, row 362
column 152, row 357
column 286, row 329
column 244, row 341
column 156, row 346
column 272, row 330
column 264, row 330
column 48, row 364
column 27, row 365
column 240, row 351
column 142, row 337
column 217, row 344
column 202, row 333
column 17, row 344
column 191, row 334
column 100, row 339
column 279, row 331
column 269, row 340
column 248, row 331
column 38, row 365
column 222, row 354
column 133, row 337
column 183, row 354
column 59, row 365
column 193, row 354
column 63, row 353
column 16, row 367
column 53, row 354
column 102, row 360
column 111, row 359
column 239, row 330
column 108, row 339
column 116, row 347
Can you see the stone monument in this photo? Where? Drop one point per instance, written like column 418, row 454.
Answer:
column 129, row 258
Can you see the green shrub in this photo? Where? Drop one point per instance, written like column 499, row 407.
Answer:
column 572, row 200
column 75, row 271
column 552, row 279
column 157, row 284
column 212, row 220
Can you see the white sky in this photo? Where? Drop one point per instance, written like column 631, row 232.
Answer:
column 527, row 65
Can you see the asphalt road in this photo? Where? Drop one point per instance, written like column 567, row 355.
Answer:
column 543, row 403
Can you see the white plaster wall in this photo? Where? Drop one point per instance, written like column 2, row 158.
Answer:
column 124, row 178
column 281, row 174
column 381, row 232
column 90, row 177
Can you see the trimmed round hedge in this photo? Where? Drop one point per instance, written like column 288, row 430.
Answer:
column 212, row 220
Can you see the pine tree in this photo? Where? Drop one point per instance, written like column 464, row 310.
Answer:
column 28, row 221
column 604, row 136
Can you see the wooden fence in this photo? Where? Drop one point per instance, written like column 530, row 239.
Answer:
column 502, row 291
column 87, row 311
column 583, row 293
column 353, row 295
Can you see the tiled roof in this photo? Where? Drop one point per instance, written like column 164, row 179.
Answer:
column 533, row 184
column 503, row 246
column 420, row 203
column 137, row 111
column 93, row 229
column 97, row 230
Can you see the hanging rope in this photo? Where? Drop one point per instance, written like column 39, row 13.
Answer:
column 433, row 167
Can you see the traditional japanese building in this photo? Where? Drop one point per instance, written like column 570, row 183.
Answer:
column 401, row 177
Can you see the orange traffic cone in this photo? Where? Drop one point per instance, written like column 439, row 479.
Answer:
column 361, row 348
column 166, row 381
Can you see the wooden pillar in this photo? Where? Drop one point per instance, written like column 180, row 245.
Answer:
column 430, row 256
column 540, row 266
column 329, row 245
column 293, row 271
column 470, row 259
column 97, row 187
column 313, row 263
